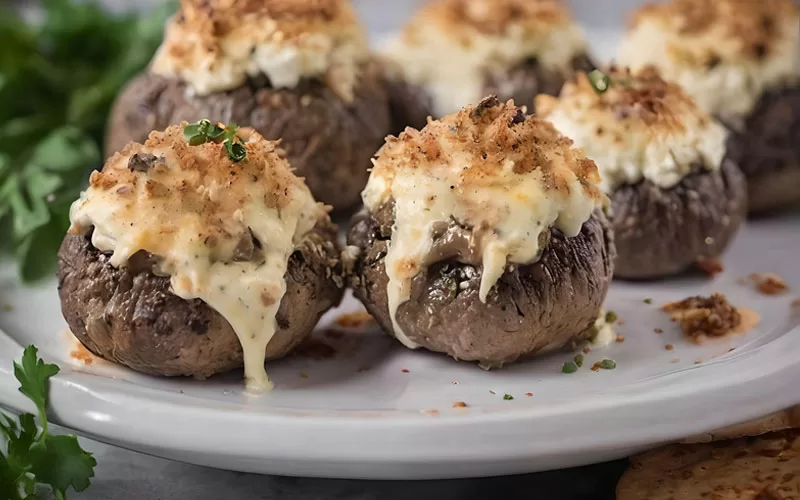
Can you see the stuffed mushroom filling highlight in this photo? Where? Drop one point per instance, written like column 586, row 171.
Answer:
column 466, row 202
column 740, row 61
column 293, row 70
column 221, row 220
column 459, row 51
column 662, row 162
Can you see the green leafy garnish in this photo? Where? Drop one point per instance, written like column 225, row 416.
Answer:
column 600, row 81
column 579, row 360
column 58, row 80
column 204, row 131
column 611, row 317
column 648, row 301
column 36, row 457
column 508, row 397
column 569, row 367
column 607, row 364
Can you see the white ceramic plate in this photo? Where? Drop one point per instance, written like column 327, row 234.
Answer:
column 359, row 415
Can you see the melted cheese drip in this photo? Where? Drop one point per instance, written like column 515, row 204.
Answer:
column 129, row 218
column 512, row 209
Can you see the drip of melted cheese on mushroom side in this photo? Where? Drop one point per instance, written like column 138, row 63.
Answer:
column 507, row 177
column 450, row 45
column 640, row 128
column 214, row 45
column 725, row 53
column 222, row 231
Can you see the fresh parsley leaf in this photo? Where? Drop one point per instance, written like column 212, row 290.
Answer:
column 37, row 457
column 34, row 376
column 61, row 463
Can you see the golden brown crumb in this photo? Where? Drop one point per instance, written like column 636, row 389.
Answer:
column 698, row 362
column 750, row 23
column 620, row 337
column 529, row 394
column 454, row 382
column 710, row 267
column 355, row 320
column 769, row 283
column 486, row 135
column 702, row 317
column 404, row 370
column 459, row 404
column 80, row 353
column 658, row 330
column 669, row 347
column 586, row 350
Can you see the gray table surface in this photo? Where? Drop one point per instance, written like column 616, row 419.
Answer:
column 125, row 475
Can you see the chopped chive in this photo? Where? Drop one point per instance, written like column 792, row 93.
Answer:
column 579, row 360
column 648, row 301
column 611, row 317
column 599, row 80
column 569, row 367
column 608, row 364
column 236, row 151
column 508, row 397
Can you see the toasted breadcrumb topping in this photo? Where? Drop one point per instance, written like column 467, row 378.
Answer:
column 215, row 45
column 705, row 316
column 640, row 127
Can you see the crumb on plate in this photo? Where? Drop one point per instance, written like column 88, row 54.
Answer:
column 710, row 267
column 355, row 320
column 459, row 404
column 704, row 317
column 769, row 283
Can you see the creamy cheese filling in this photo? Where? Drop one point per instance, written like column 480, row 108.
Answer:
column 628, row 156
column 709, row 66
column 453, row 69
column 196, row 221
column 641, row 128
column 507, row 202
column 256, row 44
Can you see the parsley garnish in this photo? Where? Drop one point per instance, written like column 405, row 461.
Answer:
column 569, row 367
column 34, row 456
column 204, row 131
column 600, row 81
column 579, row 360
column 607, row 364
column 508, row 397
column 648, row 301
column 611, row 317
column 59, row 76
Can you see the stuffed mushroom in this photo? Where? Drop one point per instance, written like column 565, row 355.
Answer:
column 192, row 258
column 675, row 199
column 455, row 52
column 483, row 237
column 740, row 61
column 293, row 70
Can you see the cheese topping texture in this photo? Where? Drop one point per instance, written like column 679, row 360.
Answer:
column 725, row 53
column 450, row 45
column 215, row 45
column 506, row 177
column 222, row 231
column 640, row 128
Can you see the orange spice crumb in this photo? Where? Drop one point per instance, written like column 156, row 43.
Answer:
column 658, row 330
column 459, row 404
column 404, row 370
column 355, row 320
column 586, row 350
column 698, row 361
column 669, row 347
column 769, row 283
column 431, row 412
column 620, row 337
column 710, row 267
column 529, row 394
column 81, row 353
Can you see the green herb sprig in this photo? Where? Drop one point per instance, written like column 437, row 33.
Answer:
column 58, row 80
column 600, row 81
column 34, row 456
column 204, row 131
